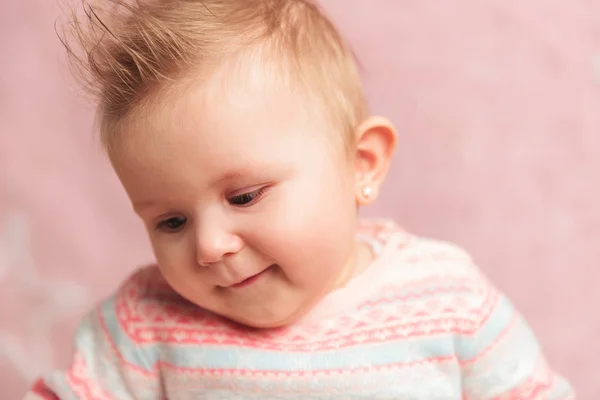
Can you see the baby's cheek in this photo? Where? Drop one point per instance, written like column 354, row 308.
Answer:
column 173, row 255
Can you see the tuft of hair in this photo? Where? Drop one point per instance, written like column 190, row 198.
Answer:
column 127, row 51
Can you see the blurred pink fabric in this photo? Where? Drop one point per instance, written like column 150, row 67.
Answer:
column 497, row 104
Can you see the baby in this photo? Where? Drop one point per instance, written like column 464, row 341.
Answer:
column 239, row 131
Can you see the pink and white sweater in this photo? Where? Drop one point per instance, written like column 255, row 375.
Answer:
column 420, row 323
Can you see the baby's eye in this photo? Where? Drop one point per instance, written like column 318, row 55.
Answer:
column 173, row 224
column 246, row 199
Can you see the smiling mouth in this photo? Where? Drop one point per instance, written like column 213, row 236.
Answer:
column 253, row 279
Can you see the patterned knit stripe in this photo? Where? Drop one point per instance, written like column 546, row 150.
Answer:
column 445, row 375
column 85, row 384
column 431, row 287
column 313, row 371
column 367, row 330
column 231, row 358
column 380, row 349
column 189, row 356
column 401, row 351
column 390, row 331
column 424, row 310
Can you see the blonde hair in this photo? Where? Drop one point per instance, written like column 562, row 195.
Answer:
column 133, row 50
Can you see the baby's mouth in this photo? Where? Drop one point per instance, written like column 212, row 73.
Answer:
column 252, row 279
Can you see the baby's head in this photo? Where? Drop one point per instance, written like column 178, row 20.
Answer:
column 239, row 131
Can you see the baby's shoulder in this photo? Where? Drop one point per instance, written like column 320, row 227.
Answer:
column 411, row 258
column 423, row 257
column 436, row 285
column 146, row 292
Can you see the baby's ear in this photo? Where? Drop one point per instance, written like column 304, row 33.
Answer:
column 375, row 143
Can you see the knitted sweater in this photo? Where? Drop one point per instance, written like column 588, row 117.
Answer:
column 420, row 323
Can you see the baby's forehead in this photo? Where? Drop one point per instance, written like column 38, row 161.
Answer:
column 215, row 113
column 243, row 91
column 243, row 100
column 246, row 139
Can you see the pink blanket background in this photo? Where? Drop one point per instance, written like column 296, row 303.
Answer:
column 497, row 104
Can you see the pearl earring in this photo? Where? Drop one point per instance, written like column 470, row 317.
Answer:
column 367, row 191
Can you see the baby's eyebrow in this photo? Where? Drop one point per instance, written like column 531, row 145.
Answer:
column 256, row 172
column 143, row 205
column 229, row 175
column 233, row 174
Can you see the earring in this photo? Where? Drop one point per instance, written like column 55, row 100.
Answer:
column 367, row 191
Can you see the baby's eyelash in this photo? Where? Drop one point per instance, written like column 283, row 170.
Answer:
column 172, row 225
column 247, row 199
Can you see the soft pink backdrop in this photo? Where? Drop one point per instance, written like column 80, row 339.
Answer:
column 497, row 104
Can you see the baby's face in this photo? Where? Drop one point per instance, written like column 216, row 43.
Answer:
column 249, row 203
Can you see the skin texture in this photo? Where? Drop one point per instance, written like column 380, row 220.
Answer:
column 249, row 198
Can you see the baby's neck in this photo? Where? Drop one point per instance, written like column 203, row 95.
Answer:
column 361, row 258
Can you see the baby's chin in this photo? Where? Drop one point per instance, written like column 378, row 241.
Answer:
column 279, row 320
